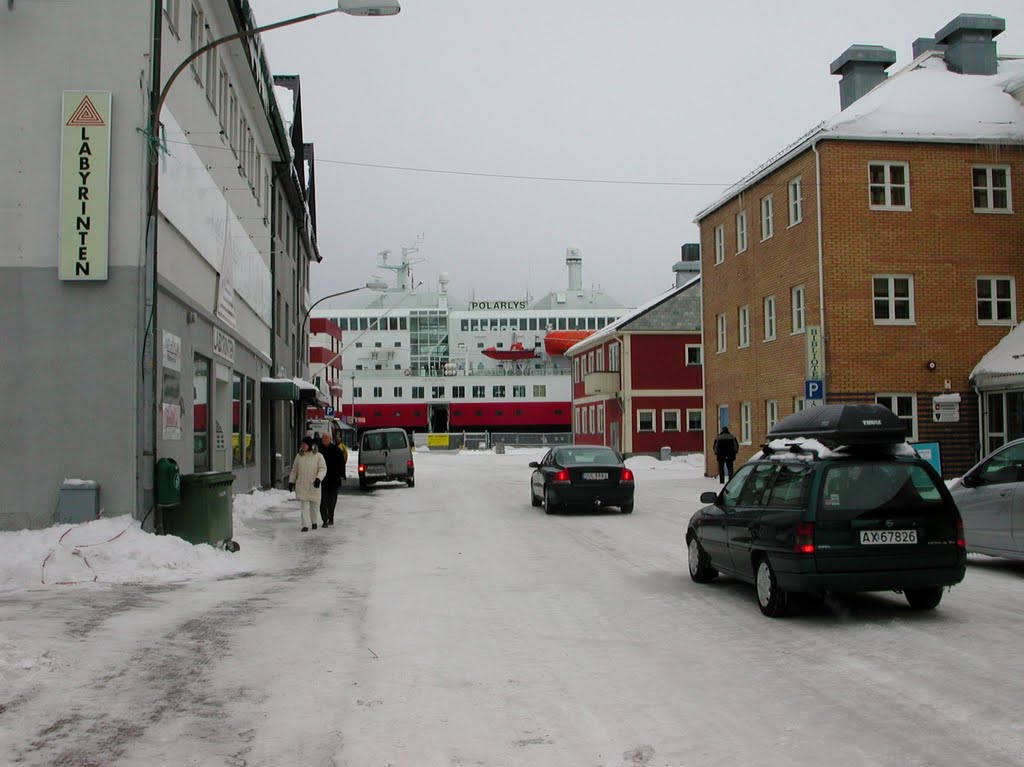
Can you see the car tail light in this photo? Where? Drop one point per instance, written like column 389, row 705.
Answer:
column 362, row 468
column 804, row 543
column 562, row 475
column 626, row 476
column 409, row 463
column 961, row 541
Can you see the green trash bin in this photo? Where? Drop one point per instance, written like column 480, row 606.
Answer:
column 204, row 515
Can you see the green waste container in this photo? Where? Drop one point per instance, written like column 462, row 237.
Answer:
column 204, row 515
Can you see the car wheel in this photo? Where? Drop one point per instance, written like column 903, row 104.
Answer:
column 701, row 570
column 924, row 599
column 627, row 508
column 534, row 500
column 550, row 505
column 771, row 598
column 411, row 482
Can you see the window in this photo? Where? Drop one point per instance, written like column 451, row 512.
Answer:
column 378, row 392
column 996, row 301
column 720, row 243
column 796, row 201
column 771, row 414
column 237, row 384
column 670, row 420
column 791, row 485
column 767, row 218
column 171, row 11
column 418, row 392
column 357, row 391
column 437, row 392
column 540, row 390
column 888, row 187
column 991, row 185
column 498, row 392
column 211, row 73
column 479, row 392
column 798, row 319
column 769, row 318
column 745, row 423
column 694, row 354
column 196, row 35
column 613, row 358
column 905, row 407
column 893, row 296
column 518, row 391
column 741, row 231
column 721, row 333
column 200, row 413
column 799, row 403
column 744, row 326
column 398, row 391
column 593, row 420
column 458, row 392
column 695, row 420
column 645, row 420
column 600, row 419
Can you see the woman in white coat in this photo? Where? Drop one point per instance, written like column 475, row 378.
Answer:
column 308, row 471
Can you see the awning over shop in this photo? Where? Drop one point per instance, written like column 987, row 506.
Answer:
column 1003, row 366
column 279, row 388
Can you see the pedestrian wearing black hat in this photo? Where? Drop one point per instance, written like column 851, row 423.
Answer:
column 308, row 471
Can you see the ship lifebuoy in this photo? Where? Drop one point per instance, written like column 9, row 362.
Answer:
column 408, row 372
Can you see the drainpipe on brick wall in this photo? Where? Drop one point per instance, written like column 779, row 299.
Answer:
column 821, row 264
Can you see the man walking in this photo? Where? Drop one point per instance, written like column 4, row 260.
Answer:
column 726, row 446
column 332, row 482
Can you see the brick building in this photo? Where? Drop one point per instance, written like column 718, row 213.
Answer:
column 636, row 384
column 879, row 253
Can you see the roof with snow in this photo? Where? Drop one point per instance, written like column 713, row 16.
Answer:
column 1003, row 362
column 925, row 101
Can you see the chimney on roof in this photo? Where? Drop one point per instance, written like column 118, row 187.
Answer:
column 574, row 260
column 925, row 44
column 689, row 266
column 971, row 41
column 862, row 67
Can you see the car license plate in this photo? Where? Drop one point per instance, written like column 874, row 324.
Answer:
column 375, row 471
column 872, row 537
column 595, row 475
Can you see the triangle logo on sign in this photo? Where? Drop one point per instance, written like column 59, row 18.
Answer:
column 86, row 115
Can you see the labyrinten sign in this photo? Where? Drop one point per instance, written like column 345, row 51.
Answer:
column 84, row 185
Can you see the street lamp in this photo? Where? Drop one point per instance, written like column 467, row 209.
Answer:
column 158, row 94
column 371, row 285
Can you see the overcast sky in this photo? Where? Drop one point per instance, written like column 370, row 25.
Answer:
column 675, row 100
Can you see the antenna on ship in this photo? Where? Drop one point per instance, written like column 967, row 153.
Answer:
column 402, row 273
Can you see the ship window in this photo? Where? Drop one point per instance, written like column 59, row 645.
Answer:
column 401, row 323
column 378, row 367
column 533, row 323
column 465, row 325
column 398, row 344
column 393, row 323
column 540, row 391
column 518, row 411
column 572, row 323
column 518, row 391
column 478, row 392
column 592, row 323
column 398, row 367
column 437, row 392
column 561, row 323
column 364, row 323
column 458, row 392
column 398, row 391
column 498, row 392
column 479, row 344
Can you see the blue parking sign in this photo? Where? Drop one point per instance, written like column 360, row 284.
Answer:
column 814, row 389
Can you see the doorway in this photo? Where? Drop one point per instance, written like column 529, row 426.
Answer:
column 439, row 419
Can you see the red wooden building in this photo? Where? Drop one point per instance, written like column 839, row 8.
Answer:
column 638, row 384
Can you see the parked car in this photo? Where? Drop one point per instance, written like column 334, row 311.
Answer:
column 991, row 501
column 583, row 476
column 837, row 501
column 385, row 455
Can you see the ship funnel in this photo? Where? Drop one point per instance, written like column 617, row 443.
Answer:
column 574, row 260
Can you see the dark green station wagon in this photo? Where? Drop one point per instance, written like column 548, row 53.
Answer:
column 836, row 501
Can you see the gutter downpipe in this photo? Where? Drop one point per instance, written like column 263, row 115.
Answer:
column 821, row 264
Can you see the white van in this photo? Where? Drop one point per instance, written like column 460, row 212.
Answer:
column 385, row 455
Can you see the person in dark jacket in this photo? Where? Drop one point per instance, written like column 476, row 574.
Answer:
column 332, row 482
column 726, row 446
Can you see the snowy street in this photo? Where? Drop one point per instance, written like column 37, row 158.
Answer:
column 454, row 624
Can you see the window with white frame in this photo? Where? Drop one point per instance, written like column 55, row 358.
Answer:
column 996, row 301
column 741, row 231
column 767, row 218
column 600, row 359
column 771, row 413
column 905, row 408
column 769, row 318
column 670, row 420
column 893, row 299
column 694, row 354
column 796, row 201
column 645, row 420
column 694, row 420
column 593, row 427
column 720, row 320
column 196, row 32
column 743, row 328
column 991, row 188
column 600, row 419
column 798, row 309
column 799, row 403
column 378, row 392
column 171, row 10
column 720, row 243
column 745, row 423
column 613, row 358
column 576, row 370
column 889, row 186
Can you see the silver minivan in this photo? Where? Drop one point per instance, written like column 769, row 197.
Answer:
column 385, row 455
column 991, row 501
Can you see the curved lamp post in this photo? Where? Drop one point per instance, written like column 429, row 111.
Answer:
column 372, row 285
column 158, row 94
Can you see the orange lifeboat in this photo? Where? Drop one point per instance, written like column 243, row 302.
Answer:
column 557, row 342
column 514, row 352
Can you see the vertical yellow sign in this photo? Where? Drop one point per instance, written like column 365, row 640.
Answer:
column 84, row 185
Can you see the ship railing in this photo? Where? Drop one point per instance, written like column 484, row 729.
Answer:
column 467, row 440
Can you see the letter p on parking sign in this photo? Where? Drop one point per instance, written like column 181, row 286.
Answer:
column 814, row 389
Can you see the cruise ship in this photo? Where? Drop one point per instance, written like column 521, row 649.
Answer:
column 426, row 362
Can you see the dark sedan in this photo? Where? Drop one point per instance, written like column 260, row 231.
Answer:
column 582, row 476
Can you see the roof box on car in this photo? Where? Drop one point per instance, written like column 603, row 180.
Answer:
column 850, row 425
